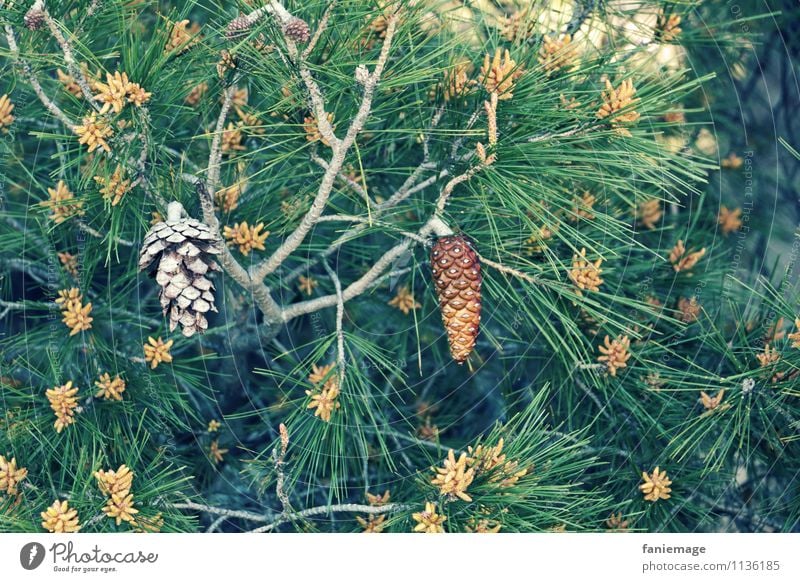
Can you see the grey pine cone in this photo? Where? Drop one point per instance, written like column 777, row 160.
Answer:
column 182, row 251
column 297, row 30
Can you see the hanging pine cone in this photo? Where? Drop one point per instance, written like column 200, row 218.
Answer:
column 182, row 249
column 457, row 276
column 238, row 27
column 34, row 18
column 297, row 30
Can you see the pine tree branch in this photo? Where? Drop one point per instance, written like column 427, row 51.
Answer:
column 322, row 25
column 340, row 150
column 27, row 71
column 228, row 513
column 508, row 270
column 327, row 509
column 358, row 188
column 260, row 293
column 582, row 9
column 69, row 58
column 215, row 155
column 434, row 225
column 407, row 189
column 279, row 458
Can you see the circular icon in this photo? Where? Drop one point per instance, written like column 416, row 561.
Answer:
column 31, row 555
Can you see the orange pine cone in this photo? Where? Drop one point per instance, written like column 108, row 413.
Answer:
column 457, row 275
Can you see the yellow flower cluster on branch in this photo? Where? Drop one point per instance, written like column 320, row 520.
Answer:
column 457, row 82
column 404, row 300
column 492, row 460
column 768, row 357
column 499, row 73
column 93, row 133
column 110, row 388
column 428, row 521
column 10, row 475
column 668, row 27
column 557, row 53
column 614, row 353
column 76, row 315
column 689, row 309
column 117, row 91
column 617, row 523
column 711, row 402
column 149, row 524
column 795, row 336
column 683, row 261
column 182, row 37
column 63, row 401
column 649, row 213
column 585, row 274
column 157, row 351
column 215, row 452
column 116, row 485
column 70, row 263
column 656, row 485
column 69, row 83
column 115, row 186
column 62, row 203
column 374, row 523
column 326, row 400
column 246, row 237
column 306, row 284
column 454, row 477
column 6, row 119
column 232, row 139
column 485, row 526
column 583, row 206
column 60, row 518
column 618, row 106
column 729, row 220
column 196, row 94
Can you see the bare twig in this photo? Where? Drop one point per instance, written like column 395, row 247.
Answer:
column 321, row 26
column 69, row 58
column 215, row 157
column 279, row 457
column 228, row 513
column 97, row 234
column 34, row 82
column 358, row 188
column 327, row 509
column 508, row 270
